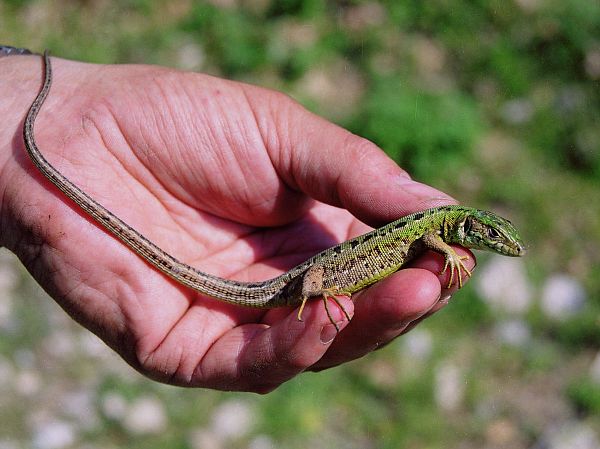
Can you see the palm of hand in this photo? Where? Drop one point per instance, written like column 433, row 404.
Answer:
column 212, row 172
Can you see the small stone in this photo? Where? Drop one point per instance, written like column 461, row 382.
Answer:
column 429, row 55
column 294, row 34
column 9, row 275
column 503, row 285
column 224, row 4
column 513, row 332
column 7, row 443
column 7, row 320
column 364, row 15
column 337, row 88
column 114, row 406
column 79, row 405
column 570, row 99
column 562, row 297
column 501, row 433
column 592, row 64
column 94, row 347
column 204, row 439
column 449, row 387
column 418, row 344
column 232, row 419
column 60, row 344
column 262, row 442
column 190, row 56
column 7, row 373
column 27, row 382
column 145, row 416
column 528, row 6
column 517, row 112
column 595, row 369
column 571, row 435
column 383, row 374
column 54, row 435
column 24, row 359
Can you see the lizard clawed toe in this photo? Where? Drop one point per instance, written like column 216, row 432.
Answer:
column 332, row 294
column 455, row 263
column 329, row 293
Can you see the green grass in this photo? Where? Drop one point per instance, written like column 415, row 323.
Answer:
column 434, row 82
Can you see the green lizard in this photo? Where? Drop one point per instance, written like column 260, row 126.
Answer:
column 341, row 270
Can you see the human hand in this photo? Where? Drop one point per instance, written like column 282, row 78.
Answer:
column 233, row 179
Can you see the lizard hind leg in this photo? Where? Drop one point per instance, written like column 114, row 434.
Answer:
column 312, row 286
column 327, row 294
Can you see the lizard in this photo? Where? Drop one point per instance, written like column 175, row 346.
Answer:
column 343, row 269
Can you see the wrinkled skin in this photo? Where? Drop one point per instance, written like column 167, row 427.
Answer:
column 239, row 181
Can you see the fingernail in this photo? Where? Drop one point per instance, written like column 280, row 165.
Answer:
column 328, row 333
column 445, row 299
column 423, row 191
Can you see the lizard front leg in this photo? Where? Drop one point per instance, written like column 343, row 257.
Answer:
column 452, row 260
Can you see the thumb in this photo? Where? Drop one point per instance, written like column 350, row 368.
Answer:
column 334, row 166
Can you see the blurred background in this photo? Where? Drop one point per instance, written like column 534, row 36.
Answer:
column 496, row 102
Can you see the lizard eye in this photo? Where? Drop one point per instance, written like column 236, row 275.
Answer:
column 492, row 233
column 467, row 225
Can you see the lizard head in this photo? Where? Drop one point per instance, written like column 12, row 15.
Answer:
column 485, row 230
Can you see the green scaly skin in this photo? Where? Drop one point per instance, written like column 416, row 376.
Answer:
column 341, row 270
column 357, row 263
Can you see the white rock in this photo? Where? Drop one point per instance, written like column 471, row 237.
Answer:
column 595, row 369
column 7, row 443
column 503, row 285
column 9, row 275
column 418, row 344
column 233, row 419
column 190, row 55
column 516, row 112
column 205, row 439
column 114, row 406
column 60, row 343
column 79, row 405
column 146, row 416
column 449, row 387
column 27, row 382
column 574, row 435
column 8, row 322
column 262, row 442
column 513, row 332
column 562, row 297
column 7, row 373
column 54, row 435
column 92, row 346
column 24, row 359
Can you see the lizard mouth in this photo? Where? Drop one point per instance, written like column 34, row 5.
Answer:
column 517, row 250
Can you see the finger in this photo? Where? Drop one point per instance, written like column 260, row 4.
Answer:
column 431, row 263
column 387, row 309
column 434, row 262
column 381, row 314
column 337, row 167
column 259, row 358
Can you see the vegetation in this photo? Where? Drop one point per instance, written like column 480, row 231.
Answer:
column 496, row 102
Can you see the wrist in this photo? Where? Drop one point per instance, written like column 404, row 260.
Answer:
column 20, row 78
